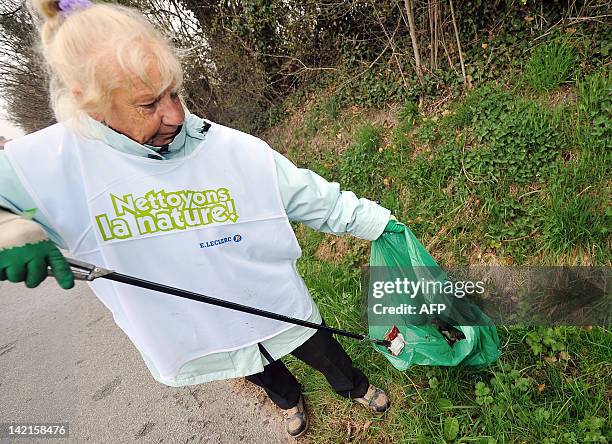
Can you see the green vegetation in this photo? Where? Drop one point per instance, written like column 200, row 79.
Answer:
column 513, row 172
column 549, row 66
column 550, row 385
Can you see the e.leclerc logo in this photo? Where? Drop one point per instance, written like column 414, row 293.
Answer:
column 223, row 240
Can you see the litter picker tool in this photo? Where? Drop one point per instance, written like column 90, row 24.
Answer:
column 88, row 272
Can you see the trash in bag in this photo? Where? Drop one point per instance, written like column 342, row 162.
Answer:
column 442, row 327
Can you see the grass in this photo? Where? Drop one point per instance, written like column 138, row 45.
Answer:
column 549, row 66
column 498, row 177
column 362, row 162
column 594, row 127
column 575, row 214
column 525, row 396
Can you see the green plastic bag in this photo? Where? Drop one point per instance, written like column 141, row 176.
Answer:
column 425, row 344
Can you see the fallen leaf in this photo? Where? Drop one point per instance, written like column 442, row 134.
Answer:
column 468, row 80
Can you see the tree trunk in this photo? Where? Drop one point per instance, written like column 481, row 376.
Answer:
column 413, row 37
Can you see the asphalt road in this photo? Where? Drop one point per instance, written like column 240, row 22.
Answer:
column 63, row 359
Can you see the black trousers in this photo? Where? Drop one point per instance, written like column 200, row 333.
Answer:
column 323, row 353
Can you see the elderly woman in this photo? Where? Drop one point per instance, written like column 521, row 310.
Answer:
column 130, row 180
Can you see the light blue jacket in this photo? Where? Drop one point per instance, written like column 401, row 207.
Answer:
column 307, row 198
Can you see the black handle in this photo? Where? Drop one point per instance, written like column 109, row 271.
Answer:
column 130, row 280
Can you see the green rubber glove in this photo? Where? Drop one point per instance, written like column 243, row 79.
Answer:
column 28, row 264
column 26, row 251
column 393, row 226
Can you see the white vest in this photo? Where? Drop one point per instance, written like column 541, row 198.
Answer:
column 212, row 223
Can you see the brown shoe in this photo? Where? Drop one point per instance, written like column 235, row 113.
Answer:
column 375, row 399
column 296, row 419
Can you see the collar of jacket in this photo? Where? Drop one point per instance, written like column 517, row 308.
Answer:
column 193, row 128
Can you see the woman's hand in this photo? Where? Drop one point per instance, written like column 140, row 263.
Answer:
column 26, row 251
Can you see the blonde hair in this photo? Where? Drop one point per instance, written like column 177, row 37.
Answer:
column 97, row 50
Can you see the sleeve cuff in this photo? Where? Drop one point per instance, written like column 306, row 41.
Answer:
column 374, row 219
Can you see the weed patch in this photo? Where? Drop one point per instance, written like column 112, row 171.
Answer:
column 549, row 66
